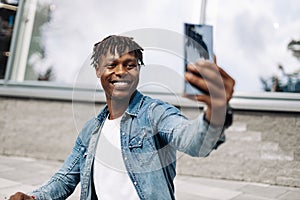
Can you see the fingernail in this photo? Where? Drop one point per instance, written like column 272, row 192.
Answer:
column 188, row 75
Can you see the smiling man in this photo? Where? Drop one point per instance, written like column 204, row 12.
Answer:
column 119, row 74
column 128, row 151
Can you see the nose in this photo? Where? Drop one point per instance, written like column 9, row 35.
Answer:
column 120, row 70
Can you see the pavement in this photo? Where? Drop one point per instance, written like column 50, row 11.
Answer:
column 25, row 174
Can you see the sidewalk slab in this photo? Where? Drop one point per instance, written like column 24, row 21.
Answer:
column 26, row 174
column 205, row 191
column 250, row 197
column 291, row 195
column 271, row 192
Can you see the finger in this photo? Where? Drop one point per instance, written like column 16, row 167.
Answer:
column 205, row 84
column 216, row 103
column 229, row 83
column 20, row 196
column 211, row 90
column 215, row 59
column 208, row 71
column 196, row 81
column 201, row 67
column 224, row 73
column 229, row 88
column 203, row 98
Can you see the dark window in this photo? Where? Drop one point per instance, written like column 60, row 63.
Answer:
column 7, row 18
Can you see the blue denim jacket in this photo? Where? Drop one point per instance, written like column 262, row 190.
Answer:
column 151, row 133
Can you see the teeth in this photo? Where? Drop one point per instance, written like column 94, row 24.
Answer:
column 120, row 83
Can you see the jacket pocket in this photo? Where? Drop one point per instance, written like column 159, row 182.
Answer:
column 142, row 148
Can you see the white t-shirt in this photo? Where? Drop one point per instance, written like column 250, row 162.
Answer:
column 111, row 179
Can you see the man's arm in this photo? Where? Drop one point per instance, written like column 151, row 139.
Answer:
column 200, row 136
column 63, row 183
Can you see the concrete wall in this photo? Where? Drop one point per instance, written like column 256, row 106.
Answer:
column 41, row 128
column 261, row 146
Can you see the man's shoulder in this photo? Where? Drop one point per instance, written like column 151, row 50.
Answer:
column 158, row 106
column 89, row 128
column 156, row 101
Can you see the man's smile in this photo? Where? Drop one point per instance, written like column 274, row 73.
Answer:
column 120, row 84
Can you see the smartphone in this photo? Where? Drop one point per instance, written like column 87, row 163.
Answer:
column 198, row 44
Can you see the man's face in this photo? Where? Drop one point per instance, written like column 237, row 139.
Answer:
column 119, row 75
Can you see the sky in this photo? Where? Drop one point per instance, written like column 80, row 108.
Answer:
column 250, row 37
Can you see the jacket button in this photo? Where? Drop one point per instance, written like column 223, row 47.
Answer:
column 134, row 182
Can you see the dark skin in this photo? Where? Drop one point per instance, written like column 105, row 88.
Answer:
column 20, row 196
column 119, row 76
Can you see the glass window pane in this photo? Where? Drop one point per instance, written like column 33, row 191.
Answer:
column 62, row 41
column 35, row 69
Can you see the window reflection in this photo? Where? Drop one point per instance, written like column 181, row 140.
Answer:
column 62, row 42
column 37, row 68
column 252, row 39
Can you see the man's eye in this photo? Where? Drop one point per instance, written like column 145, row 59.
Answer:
column 130, row 66
column 111, row 66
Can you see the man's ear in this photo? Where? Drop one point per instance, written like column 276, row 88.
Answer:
column 97, row 69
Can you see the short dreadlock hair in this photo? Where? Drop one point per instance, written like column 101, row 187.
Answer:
column 116, row 44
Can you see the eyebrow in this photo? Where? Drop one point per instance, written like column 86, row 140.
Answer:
column 126, row 60
column 110, row 60
column 130, row 60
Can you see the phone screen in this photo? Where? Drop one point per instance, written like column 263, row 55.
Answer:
column 198, row 45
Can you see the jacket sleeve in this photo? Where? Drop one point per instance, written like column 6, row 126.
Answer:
column 64, row 181
column 194, row 137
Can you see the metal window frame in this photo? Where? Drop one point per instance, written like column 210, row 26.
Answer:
column 273, row 101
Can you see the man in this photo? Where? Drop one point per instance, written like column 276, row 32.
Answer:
column 129, row 150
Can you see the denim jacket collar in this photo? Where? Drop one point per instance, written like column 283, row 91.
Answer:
column 135, row 104
column 133, row 108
